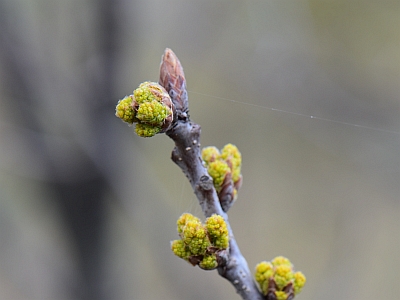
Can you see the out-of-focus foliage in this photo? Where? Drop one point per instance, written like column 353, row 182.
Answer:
column 88, row 209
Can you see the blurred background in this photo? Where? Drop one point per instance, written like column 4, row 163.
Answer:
column 88, row 209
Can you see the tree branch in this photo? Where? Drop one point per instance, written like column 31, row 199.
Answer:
column 212, row 245
column 187, row 155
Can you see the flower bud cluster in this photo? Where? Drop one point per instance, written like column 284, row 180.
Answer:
column 224, row 168
column 150, row 107
column 277, row 279
column 201, row 244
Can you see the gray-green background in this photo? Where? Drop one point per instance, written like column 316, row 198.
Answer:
column 88, row 209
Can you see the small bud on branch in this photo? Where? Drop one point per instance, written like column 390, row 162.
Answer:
column 278, row 280
column 173, row 80
column 202, row 245
column 150, row 107
column 224, row 167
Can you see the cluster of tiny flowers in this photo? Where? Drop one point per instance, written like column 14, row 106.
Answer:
column 200, row 244
column 277, row 279
column 224, row 168
column 150, row 107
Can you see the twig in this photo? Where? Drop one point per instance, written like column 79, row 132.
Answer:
column 187, row 156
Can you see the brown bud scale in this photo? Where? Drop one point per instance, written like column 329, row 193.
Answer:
column 173, row 80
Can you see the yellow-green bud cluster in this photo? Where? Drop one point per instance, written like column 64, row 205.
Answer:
column 125, row 111
column 201, row 243
column 209, row 262
column 230, row 153
column 224, row 168
column 278, row 278
column 150, row 107
column 217, row 231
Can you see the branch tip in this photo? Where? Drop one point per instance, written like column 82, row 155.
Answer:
column 173, row 80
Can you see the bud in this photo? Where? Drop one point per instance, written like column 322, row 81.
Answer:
column 299, row 282
column 277, row 279
column 209, row 262
column 179, row 248
column 125, row 111
column 224, row 168
column 217, row 231
column 230, row 153
column 202, row 244
column 173, row 80
column 150, row 107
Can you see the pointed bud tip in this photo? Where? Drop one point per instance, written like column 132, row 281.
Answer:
column 169, row 55
column 170, row 67
column 172, row 78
